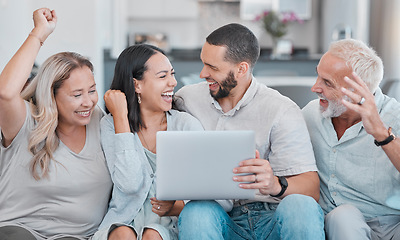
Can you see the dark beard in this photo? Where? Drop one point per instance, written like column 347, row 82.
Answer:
column 225, row 87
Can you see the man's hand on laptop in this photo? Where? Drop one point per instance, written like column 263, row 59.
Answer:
column 258, row 174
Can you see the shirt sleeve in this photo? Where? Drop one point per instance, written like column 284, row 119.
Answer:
column 291, row 149
column 127, row 167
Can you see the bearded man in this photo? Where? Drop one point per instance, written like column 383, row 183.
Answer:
column 352, row 128
column 284, row 170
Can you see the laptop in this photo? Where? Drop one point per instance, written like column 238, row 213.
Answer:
column 198, row 165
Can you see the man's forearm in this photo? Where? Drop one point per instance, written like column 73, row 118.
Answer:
column 305, row 183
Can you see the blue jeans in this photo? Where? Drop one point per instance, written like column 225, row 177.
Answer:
column 295, row 217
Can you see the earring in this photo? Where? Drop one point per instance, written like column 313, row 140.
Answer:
column 138, row 99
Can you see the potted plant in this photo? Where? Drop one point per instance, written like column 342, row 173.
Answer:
column 276, row 24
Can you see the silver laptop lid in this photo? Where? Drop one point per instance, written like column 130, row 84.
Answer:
column 198, row 165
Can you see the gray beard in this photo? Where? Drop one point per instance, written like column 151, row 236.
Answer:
column 335, row 108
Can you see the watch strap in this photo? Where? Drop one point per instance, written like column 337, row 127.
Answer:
column 387, row 140
column 284, row 184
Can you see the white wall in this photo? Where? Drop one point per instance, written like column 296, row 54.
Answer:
column 188, row 32
column 389, row 44
column 385, row 38
column 81, row 28
column 90, row 26
column 16, row 23
column 354, row 13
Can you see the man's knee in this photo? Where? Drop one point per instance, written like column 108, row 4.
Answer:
column 201, row 209
column 346, row 222
column 301, row 214
column 343, row 215
column 199, row 213
column 299, row 206
column 300, row 217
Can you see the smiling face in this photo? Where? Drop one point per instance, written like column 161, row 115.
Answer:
column 157, row 86
column 216, row 71
column 331, row 71
column 76, row 98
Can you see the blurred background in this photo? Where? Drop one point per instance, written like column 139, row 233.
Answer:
column 101, row 29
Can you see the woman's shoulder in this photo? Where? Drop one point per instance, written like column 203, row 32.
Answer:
column 98, row 113
column 183, row 121
column 26, row 128
column 107, row 121
column 181, row 116
column 95, row 118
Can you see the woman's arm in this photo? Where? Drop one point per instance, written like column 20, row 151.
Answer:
column 127, row 166
column 16, row 73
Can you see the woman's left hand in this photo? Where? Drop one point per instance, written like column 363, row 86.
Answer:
column 161, row 208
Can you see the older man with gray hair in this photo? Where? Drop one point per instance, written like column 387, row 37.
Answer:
column 353, row 127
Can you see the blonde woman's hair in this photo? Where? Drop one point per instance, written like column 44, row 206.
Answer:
column 362, row 59
column 41, row 91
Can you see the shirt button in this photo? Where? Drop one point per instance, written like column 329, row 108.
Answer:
column 152, row 175
column 334, row 150
column 333, row 175
column 334, row 193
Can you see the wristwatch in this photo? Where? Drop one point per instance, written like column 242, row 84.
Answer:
column 387, row 140
column 284, row 184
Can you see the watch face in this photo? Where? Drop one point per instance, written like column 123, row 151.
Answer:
column 283, row 182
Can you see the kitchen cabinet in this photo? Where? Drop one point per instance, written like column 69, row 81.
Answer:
column 163, row 9
column 249, row 9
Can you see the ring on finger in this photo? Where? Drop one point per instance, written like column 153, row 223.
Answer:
column 362, row 100
column 255, row 178
column 158, row 207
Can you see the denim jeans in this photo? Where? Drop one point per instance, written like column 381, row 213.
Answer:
column 295, row 217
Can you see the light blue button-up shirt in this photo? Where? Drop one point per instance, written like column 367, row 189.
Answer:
column 353, row 170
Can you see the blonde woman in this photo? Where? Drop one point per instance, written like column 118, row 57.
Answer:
column 54, row 182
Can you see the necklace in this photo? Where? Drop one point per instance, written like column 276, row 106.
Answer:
column 145, row 143
column 144, row 139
